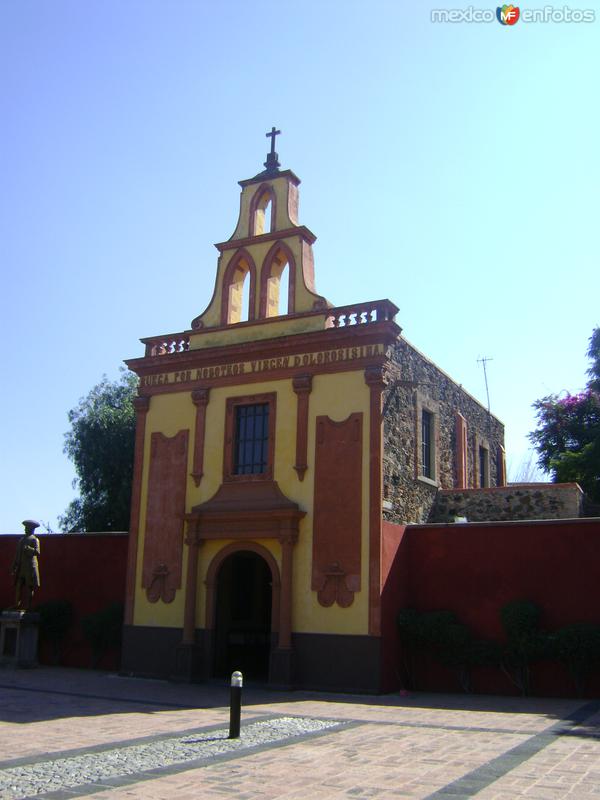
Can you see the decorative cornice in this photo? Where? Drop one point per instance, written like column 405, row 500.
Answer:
column 325, row 339
column 299, row 230
column 246, row 498
column 268, row 175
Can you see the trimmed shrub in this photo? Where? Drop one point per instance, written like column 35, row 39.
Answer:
column 103, row 630
column 56, row 617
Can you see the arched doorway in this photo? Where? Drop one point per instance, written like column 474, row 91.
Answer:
column 244, row 599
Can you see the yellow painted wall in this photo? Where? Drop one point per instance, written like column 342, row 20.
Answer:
column 257, row 331
column 346, row 393
column 282, row 221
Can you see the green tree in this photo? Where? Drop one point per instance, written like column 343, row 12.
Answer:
column 578, row 647
column 100, row 444
column 441, row 634
column 593, row 354
column 567, row 438
column 526, row 643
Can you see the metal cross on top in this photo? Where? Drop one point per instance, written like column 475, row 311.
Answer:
column 272, row 162
column 273, row 134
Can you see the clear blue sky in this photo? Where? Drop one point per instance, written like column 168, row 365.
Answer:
column 453, row 168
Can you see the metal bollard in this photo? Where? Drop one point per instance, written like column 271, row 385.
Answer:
column 235, row 704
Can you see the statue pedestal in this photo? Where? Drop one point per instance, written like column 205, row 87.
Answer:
column 19, row 638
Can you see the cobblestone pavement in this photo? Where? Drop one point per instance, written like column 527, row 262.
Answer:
column 76, row 733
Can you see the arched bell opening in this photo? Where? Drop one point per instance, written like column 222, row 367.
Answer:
column 262, row 212
column 238, row 290
column 277, row 283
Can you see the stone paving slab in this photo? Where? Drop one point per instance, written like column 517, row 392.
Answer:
column 80, row 772
column 568, row 767
column 362, row 762
column 421, row 746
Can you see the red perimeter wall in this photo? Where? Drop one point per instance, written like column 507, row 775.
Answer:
column 87, row 569
column 474, row 569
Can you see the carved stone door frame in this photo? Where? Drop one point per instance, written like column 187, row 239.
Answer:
column 248, row 514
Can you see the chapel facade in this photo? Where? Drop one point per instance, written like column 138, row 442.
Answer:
column 280, row 442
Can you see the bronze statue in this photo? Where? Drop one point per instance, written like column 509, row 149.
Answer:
column 25, row 566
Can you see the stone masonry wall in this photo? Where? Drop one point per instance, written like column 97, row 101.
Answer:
column 417, row 383
column 513, row 502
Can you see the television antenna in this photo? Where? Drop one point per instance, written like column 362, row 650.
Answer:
column 483, row 360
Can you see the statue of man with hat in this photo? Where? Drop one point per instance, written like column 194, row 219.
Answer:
column 25, row 566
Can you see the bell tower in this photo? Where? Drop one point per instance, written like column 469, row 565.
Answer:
column 266, row 268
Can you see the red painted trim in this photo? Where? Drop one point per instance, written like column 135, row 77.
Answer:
column 337, row 516
column 264, row 188
column 284, row 173
column 302, row 386
column 191, row 591
column 241, row 255
column 384, row 333
column 300, row 230
column 285, row 610
column 462, row 467
column 479, row 442
column 292, row 203
column 165, row 507
column 200, row 400
column 275, row 375
column 141, row 405
column 375, row 380
column 500, row 466
column 228, row 448
column 265, row 274
column 213, row 572
column 241, row 512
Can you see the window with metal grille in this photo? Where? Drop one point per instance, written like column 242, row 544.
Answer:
column 426, row 444
column 251, row 449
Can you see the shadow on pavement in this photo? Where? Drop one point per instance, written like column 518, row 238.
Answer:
column 54, row 692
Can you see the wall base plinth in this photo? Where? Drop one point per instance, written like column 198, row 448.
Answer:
column 281, row 668
column 188, row 663
column 329, row 662
column 337, row 662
